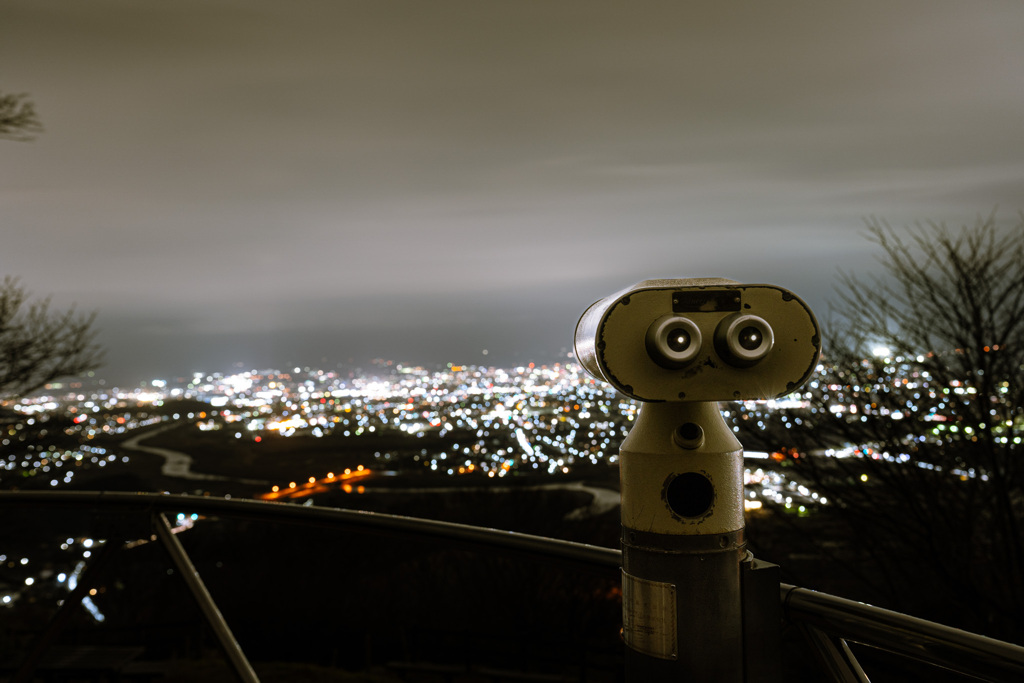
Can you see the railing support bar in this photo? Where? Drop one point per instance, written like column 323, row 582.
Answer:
column 840, row 663
column 214, row 618
column 851, row 659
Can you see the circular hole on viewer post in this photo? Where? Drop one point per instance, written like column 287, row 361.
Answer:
column 690, row 494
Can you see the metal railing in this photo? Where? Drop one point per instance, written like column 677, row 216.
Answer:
column 829, row 623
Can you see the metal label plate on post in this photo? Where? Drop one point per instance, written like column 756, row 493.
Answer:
column 649, row 616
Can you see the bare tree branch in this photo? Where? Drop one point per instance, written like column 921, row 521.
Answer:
column 937, row 482
column 37, row 345
column 18, row 118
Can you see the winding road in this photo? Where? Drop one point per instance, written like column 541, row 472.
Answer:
column 178, row 464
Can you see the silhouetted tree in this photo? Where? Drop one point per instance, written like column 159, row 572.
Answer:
column 922, row 377
column 37, row 345
column 18, row 119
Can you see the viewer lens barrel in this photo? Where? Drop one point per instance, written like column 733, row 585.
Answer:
column 743, row 339
column 673, row 341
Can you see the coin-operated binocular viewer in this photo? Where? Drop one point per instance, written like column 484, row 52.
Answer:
column 696, row 605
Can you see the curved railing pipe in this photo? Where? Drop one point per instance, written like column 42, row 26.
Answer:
column 359, row 520
column 936, row 644
column 951, row 648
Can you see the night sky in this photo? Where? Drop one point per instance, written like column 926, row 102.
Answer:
column 251, row 184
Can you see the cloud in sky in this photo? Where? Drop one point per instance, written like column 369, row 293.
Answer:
column 223, row 180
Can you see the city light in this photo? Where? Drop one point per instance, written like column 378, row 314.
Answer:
column 481, row 422
column 478, row 424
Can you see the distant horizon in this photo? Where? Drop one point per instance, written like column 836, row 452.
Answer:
column 365, row 368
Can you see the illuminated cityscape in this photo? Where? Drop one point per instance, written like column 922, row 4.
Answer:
column 471, row 424
column 482, row 420
column 392, row 427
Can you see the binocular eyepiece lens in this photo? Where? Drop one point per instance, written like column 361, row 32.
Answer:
column 743, row 339
column 673, row 341
column 678, row 340
column 750, row 338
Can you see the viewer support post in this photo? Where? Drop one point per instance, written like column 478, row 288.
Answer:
column 696, row 605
